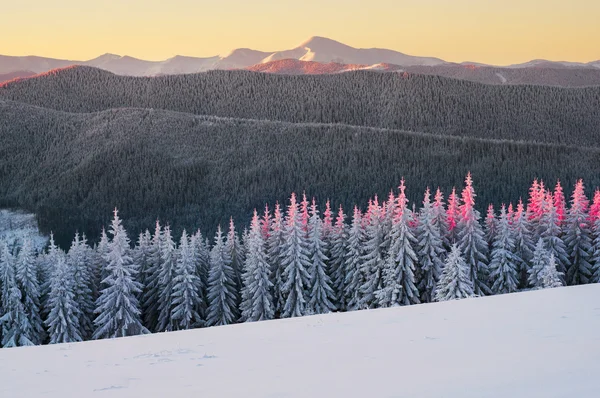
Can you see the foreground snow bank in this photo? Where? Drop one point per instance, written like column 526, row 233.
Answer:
column 532, row 344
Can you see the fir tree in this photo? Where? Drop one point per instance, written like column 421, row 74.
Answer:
column 46, row 266
column 523, row 243
column 596, row 252
column 560, row 203
column 455, row 282
column 166, row 281
column 117, row 307
column 236, row 253
column 504, row 265
column 63, row 320
column 550, row 276
column 539, row 262
column 536, row 205
column 141, row 256
column 201, row 253
column 453, row 218
column 257, row 301
column 551, row 232
column 274, row 256
column 578, row 238
column 27, row 280
column 152, row 289
column 440, row 217
column 354, row 278
column 265, row 224
column 295, row 261
column 320, row 293
column 431, row 252
column 186, row 288
column 16, row 328
column 100, row 270
column 372, row 259
column 490, row 225
column 471, row 240
column 398, row 287
column 221, row 285
column 79, row 265
column 337, row 253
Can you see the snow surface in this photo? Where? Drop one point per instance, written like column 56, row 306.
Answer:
column 533, row 344
column 15, row 226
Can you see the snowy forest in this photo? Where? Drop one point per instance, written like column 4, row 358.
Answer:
column 297, row 260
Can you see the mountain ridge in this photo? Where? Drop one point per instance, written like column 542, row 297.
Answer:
column 315, row 49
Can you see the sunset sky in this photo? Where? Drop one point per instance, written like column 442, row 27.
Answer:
column 490, row 31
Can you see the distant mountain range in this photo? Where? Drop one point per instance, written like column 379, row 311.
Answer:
column 303, row 59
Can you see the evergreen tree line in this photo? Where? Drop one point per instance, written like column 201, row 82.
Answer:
column 71, row 170
column 296, row 261
column 408, row 102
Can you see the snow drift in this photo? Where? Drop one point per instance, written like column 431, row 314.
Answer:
column 531, row 344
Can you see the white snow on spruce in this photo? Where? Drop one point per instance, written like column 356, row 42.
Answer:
column 533, row 344
column 15, row 226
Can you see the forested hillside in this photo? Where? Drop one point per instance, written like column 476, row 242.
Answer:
column 197, row 171
column 399, row 101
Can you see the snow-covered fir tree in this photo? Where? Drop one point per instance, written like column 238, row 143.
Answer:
column 550, row 275
column 490, row 225
column 46, row 264
column 504, row 267
column 431, row 252
column 453, row 217
column 523, row 243
column 117, row 307
column 236, row 253
column 79, row 264
column 141, row 255
column 560, row 203
column 455, row 282
column 152, row 288
column 295, row 260
column 536, row 206
column 186, row 288
column 63, row 320
column 16, row 327
column 100, row 270
column 372, row 260
column 551, row 232
column 440, row 217
column 257, row 300
column 471, row 240
column 578, row 238
column 337, row 259
column 222, row 296
column 399, row 285
column 201, row 253
column 594, row 220
column 166, row 281
column 27, row 280
column 539, row 262
column 354, row 278
column 320, row 293
column 274, row 256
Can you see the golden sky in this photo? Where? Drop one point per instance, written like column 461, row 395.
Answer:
column 490, row 31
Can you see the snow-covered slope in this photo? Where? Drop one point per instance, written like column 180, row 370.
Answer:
column 533, row 344
column 15, row 226
column 321, row 49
